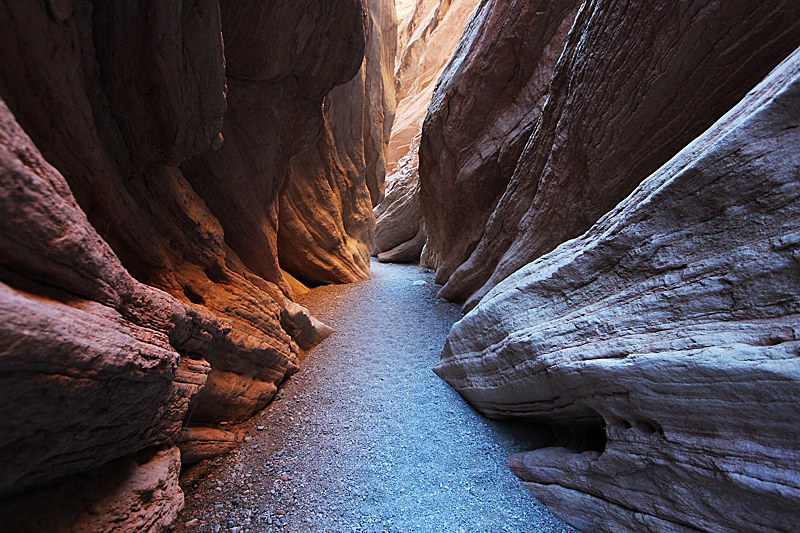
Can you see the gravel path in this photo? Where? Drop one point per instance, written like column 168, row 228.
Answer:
column 366, row 438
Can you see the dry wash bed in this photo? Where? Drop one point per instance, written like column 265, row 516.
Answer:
column 366, row 438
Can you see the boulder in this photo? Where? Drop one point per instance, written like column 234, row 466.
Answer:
column 631, row 85
column 326, row 225
column 662, row 344
column 399, row 236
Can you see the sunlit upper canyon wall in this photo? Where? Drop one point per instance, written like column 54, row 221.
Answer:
column 171, row 174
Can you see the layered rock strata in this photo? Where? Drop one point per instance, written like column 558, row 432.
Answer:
column 326, row 222
column 662, row 344
column 139, row 282
column 526, row 150
column 400, row 235
column 426, row 40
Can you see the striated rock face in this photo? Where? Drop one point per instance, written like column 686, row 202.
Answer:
column 426, row 40
column 302, row 51
column 89, row 357
column 326, row 222
column 139, row 283
column 662, row 344
column 496, row 84
column 400, row 235
column 527, row 150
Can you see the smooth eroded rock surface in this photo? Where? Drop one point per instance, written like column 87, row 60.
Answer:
column 426, row 39
column 662, row 344
column 400, row 235
column 632, row 84
column 139, row 283
column 326, row 223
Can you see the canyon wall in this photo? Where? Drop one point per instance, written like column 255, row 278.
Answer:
column 540, row 125
column 142, row 163
column 662, row 344
column 426, row 40
column 326, row 223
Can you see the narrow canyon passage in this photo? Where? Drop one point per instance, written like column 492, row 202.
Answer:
column 367, row 438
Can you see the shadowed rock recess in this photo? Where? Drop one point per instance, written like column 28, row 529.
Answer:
column 141, row 166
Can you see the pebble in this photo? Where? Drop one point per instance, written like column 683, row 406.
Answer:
column 280, row 512
column 191, row 523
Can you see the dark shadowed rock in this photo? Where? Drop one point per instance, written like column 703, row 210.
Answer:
column 90, row 359
column 281, row 59
column 633, row 84
column 662, row 344
column 122, row 290
column 135, row 493
column 326, row 223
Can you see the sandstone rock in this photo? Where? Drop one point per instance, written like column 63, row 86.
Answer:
column 198, row 443
column 88, row 111
column 398, row 216
column 326, row 223
column 135, row 493
column 662, row 344
column 408, row 252
column 632, row 86
column 426, row 40
column 89, row 356
column 496, row 84
column 123, row 293
column 400, row 235
column 281, row 60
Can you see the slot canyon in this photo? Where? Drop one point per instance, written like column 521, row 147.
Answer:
column 468, row 266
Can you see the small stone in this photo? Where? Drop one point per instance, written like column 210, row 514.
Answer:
column 419, row 282
column 280, row 512
column 260, row 428
column 191, row 523
column 248, row 439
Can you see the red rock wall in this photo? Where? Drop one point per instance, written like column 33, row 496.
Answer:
column 631, row 86
column 326, row 222
column 140, row 281
column 426, row 39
